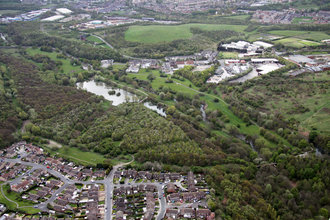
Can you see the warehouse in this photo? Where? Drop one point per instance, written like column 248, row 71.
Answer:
column 53, row 18
column 64, row 11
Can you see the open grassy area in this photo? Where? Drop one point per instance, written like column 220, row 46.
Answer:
column 79, row 156
column 292, row 42
column 11, row 205
column 3, row 12
column 309, row 43
column 228, row 55
column 239, row 17
column 301, row 101
column 302, row 19
column 158, row 33
column 67, row 67
column 94, row 39
column 315, row 35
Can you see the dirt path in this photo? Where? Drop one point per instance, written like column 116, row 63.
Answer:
column 23, row 125
column 52, row 144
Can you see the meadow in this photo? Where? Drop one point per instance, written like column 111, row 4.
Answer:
column 292, row 42
column 315, row 35
column 239, row 17
column 94, row 39
column 159, row 33
column 67, row 67
column 302, row 19
column 303, row 101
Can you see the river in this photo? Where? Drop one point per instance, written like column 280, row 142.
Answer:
column 99, row 88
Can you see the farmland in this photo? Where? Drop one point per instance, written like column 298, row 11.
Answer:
column 159, row 33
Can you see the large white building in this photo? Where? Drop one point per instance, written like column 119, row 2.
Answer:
column 64, row 11
column 53, row 18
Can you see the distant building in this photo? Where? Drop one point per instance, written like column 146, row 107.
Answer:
column 64, row 10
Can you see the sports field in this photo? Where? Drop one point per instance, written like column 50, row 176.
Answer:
column 158, row 33
column 316, row 35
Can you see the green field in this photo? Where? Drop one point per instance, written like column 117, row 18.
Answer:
column 67, row 67
column 11, row 205
column 316, row 35
column 79, row 156
column 159, row 33
column 301, row 19
column 309, row 43
column 94, row 39
column 228, row 55
column 3, row 12
column 292, row 42
column 239, row 17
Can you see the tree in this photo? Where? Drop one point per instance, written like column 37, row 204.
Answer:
column 268, row 190
column 324, row 212
column 170, row 110
column 35, row 130
column 303, row 143
column 22, row 115
column 312, row 136
column 107, row 164
column 161, row 95
column 66, row 149
column 28, row 127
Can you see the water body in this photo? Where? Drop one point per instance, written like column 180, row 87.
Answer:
column 100, row 88
column 203, row 113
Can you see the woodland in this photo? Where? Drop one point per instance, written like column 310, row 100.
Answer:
column 260, row 173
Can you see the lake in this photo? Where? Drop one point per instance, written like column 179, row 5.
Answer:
column 100, row 88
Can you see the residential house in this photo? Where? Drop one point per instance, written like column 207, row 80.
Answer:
column 188, row 197
column 5, row 177
column 33, row 197
column 148, row 175
column 59, row 208
column 141, row 187
column 187, row 213
column 117, row 174
column 172, row 213
column 161, row 177
column 119, row 215
column 11, row 154
column 42, row 193
column 62, row 202
column 150, row 187
column 203, row 213
column 171, row 188
column 199, row 195
column 56, row 182
column 99, row 173
column 155, row 176
column 175, row 176
column 174, row 197
column 87, row 172
column 21, row 187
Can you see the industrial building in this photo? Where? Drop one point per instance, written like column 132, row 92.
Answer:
column 64, row 11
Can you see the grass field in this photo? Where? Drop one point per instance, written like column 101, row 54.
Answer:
column 228, row 55
column 94, row 39
column 11, row 205
column 316, row 35
column 309, row 43
column 3, row 12
column 299, row 96
column 67, row 67
column 239, row 17
column 302, row 19
column 292, row 42
column 77, row 155
column 158, row 33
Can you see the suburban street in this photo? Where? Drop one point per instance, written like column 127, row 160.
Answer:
column 108, row 183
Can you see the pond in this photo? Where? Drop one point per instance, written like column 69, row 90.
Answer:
column 99, row 88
